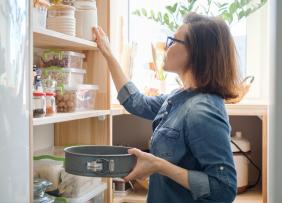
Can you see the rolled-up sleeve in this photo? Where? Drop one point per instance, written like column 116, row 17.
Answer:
column 199, row 184
column 138, row 104
column 208, row 137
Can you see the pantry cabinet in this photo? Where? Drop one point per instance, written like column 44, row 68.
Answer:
column 86, row 127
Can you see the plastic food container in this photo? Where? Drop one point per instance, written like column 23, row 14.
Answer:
column 86, row 95
column 64, row 76
column 86, row 18
column 94, row 195
column 66, row 99
column 64, row 59
column 39, row 17
column 99, row 161
column 61, row 10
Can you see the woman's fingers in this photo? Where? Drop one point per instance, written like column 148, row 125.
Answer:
column 101, row 31
column 96, row 34
column 136, row 152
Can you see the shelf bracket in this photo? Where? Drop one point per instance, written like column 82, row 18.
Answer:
column 102, row 118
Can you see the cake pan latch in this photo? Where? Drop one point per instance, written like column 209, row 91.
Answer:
column 101, row 166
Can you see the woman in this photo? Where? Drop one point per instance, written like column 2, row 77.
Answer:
column 191, row 159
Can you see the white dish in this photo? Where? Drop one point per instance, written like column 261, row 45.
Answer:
column 61, row 26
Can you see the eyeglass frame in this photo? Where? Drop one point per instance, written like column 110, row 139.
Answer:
column 174, row 40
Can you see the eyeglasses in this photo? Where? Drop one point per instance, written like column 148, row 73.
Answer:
column 171, row 40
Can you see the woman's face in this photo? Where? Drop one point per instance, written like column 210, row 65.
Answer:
column 177, row 56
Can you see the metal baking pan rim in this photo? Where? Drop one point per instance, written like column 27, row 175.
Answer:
column 95, row 155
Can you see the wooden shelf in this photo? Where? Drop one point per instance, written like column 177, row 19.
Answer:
column 61, row 117
column 140, row 196
column 245, row 109
column 44, row 38
column 241, row 109
column 117, row 109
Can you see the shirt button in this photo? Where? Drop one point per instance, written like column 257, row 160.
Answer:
column 166, row 113
column 221, row 168
column 169, row 101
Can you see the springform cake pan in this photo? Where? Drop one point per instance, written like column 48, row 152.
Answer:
column 99, row 161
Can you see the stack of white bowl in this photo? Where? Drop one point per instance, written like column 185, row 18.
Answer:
column 61, row 18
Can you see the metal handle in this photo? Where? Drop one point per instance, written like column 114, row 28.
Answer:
column 101, row 166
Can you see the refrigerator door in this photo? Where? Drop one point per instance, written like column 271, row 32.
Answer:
column 275, row 111
column 14, row 101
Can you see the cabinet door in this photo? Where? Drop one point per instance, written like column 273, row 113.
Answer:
column 14, row 101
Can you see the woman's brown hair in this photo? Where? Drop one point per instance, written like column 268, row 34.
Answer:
column 213, row 55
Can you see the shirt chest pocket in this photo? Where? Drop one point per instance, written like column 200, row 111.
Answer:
column 165, row 142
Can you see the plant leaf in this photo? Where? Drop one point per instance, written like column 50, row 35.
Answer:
column 136, row 12
column 144, row 12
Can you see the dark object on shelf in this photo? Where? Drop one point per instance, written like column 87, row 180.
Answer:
column 99, row 161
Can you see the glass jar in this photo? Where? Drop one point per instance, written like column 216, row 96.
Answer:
column 39, row 104
column 49, row 85
column 39, row 188
column 50, row 104
column 86, row 18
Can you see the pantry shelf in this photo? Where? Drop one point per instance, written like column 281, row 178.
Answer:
column 62, row 117
column 140, row 196
column 44, row 38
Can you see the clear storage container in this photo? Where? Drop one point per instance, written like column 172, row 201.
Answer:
column 86, row 95
column 86, row 18
column 66, row 99
column 94, row 195
column 39, row 17
column 39, row 104
column 64, row 76
column 64, row 59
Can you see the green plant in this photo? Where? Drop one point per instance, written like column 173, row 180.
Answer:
column 230, row 11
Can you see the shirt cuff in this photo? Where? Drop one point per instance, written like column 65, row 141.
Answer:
column 126, row 91
column 199, row 184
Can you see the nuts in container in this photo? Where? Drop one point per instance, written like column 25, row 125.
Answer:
column 66, row 99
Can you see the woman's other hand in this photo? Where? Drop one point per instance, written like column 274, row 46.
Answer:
column 102, row 40
column 146, row 165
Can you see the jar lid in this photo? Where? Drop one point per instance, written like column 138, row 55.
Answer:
column 85, row 4
column 87, row 87
column 49, row 94
column 61, row 7
column 39, row 94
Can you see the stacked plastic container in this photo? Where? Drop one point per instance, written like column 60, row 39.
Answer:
column 66, row 69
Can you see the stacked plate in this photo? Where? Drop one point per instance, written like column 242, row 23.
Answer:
column 62, row 24
column 61, row 19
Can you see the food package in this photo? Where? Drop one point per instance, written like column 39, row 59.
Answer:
column 75, row 186
column 49, row 168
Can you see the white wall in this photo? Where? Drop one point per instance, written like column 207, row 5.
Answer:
column 257, row 54
column 275, row 120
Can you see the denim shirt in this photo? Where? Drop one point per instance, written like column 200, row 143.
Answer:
column 191, row 130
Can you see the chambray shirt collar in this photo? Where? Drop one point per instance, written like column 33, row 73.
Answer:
column 180, row 95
